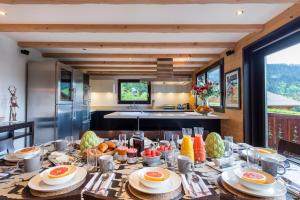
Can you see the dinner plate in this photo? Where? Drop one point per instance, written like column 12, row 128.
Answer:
column 11, row 157
column 232, row 180
column 275, row 156
column 36, row 183
column 174, row 183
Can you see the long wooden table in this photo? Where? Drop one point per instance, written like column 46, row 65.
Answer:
column 15, row 186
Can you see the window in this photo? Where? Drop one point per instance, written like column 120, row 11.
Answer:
column 213, row 73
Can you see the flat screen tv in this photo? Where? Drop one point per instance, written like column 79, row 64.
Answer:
column 134, row 91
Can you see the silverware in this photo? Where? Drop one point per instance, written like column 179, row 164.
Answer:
column 91, row 183
column 97, row 184
column 196, row 180
column 104, row 177
column 290, row 186
column 191, row 185
column 122, row 185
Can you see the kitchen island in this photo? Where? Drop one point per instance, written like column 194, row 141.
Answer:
column 154, row 121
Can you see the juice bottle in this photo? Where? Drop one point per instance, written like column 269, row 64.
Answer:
column 199, row 149
column 187, row 147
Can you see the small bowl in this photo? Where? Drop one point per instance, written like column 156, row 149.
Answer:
column 59, row 180
column 269, row 182
column 151, row 160
column 154, row 184
column 21, row 155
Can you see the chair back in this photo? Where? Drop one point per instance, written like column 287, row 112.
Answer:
column 6, row 146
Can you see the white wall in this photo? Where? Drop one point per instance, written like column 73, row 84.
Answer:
column 13, row 72
column 104, row 93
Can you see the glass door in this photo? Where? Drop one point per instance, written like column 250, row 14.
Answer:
column 282, row 92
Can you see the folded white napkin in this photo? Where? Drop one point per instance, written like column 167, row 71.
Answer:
column 105, row 185
column 198, row 192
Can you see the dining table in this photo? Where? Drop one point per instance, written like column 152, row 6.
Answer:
column 14, row 185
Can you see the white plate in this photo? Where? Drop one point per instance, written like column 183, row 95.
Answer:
column 154, row 184
column 174, row 183
column 275, row 156
column 37, row 184
column 11, row 157
column 232, row 180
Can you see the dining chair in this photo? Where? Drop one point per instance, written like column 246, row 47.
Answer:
column 7, row 146
column 287, row 147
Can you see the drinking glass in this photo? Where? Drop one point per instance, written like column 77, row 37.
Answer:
column 91, row 159
column 228, row 142
column 70, row 141
column 175, row 141
column 168, row 135
column 253, row 158
column 170, row 160
column 122, row 139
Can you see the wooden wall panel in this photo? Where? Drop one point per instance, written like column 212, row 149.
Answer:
column 235, row 125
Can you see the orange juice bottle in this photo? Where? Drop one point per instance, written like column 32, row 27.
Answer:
column 199, row 149
column 187, row 147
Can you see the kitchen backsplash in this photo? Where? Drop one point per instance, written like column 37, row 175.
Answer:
column 105, row 93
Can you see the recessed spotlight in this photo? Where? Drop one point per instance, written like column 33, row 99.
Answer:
column 239, row 12
column 2, row 13
column 84, row 49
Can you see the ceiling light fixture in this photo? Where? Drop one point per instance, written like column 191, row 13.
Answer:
column 2, row 13
column 84, row 49
column 239, row 12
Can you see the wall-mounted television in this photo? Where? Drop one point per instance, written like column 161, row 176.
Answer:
column 134, row 91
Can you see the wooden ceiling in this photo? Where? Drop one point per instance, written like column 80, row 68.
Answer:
column 143, row 1
column 133, row 57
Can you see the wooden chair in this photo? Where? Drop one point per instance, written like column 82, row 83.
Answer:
column 286, row 147
column 7, row 146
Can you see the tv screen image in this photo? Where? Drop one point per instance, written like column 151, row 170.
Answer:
column 131, row 91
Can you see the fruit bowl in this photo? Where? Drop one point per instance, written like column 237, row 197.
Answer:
column 204, row 110
column 59, row 174
column 154, row 177
column 27, row 152
column 151, row 156
column 255, row 179
column 165, row 150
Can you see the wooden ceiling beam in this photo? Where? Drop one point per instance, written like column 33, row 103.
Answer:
column 122, row 55
column 130, row 28
column 74, row 63
column 131, row 68
column 159, row 45
column 143, row 1
column 109, row 62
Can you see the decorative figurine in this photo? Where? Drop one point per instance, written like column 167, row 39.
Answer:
column 13, row 103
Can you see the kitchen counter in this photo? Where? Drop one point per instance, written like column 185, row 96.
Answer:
column 140, row 108
column 162, row 115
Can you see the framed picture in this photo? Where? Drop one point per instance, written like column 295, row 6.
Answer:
column 233, row 89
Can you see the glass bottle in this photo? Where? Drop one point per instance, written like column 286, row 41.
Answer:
column 138, row 142
column 187, row 148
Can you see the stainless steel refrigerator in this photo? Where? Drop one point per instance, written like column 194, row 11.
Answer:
column 55, row 100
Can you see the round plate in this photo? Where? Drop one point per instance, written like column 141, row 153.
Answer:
column 11, row 157
column 174, row 183
column 275, row 156
column 37, row 184
column 232, row 180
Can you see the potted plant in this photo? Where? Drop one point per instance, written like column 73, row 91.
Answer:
column 204, row 92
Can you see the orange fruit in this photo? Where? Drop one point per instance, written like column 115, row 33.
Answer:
column 254, row 177
column 154, row 176
column 59, row 172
